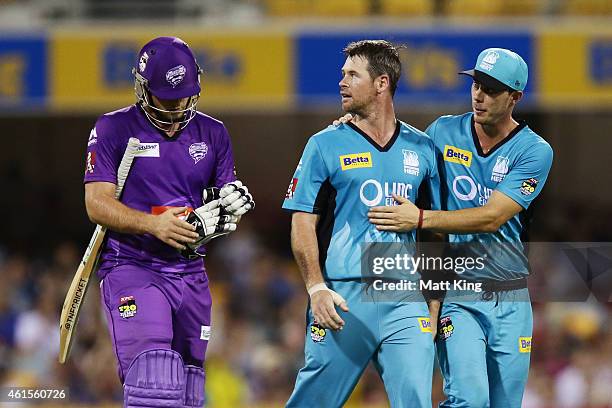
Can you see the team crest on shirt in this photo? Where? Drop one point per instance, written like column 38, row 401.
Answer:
column 446, row 328
column 529, row 186
column 176, row 75
column 411, row 162
column 317, row 333
column 500, row 169
column 198, row 151
column 127, row 307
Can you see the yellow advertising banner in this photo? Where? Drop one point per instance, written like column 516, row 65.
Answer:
column 575, row 67
column 241, row 69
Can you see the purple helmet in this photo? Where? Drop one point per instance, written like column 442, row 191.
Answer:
column 167, row 69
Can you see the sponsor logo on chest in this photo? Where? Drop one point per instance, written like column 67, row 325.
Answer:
column 453, row 154
column 148, row 150
column 466, row 189
column 372, row 192
column 355, row 161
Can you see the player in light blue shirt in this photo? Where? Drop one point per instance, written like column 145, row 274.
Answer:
column 492, row 168
column 343, row 172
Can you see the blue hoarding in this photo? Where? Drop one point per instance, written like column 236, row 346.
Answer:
column 430, row 63
column 23, row 70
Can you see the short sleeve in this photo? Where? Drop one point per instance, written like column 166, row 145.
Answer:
column 307, row 180
column 526, row 178
column 104, row 152
column 225, row 170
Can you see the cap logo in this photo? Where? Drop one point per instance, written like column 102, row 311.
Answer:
column 142, row 64
column 489, row 60
column 176, row 75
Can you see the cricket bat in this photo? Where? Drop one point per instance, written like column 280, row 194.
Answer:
column 78, row 287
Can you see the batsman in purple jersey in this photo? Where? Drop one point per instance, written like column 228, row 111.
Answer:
column 180, row 193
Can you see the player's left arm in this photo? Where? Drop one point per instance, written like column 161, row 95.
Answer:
column 516, row 192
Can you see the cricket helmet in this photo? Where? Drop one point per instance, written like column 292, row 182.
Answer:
column 167, row 68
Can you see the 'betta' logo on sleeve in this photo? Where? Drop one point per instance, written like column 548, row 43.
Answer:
column 176, row 75
column 127, row 307
column 198, row 151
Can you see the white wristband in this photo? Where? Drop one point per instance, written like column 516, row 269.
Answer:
column 316, row 288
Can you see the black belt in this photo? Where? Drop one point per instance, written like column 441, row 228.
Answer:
column 505, row 285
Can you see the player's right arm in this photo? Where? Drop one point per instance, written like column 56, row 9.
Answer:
column 104, row 209
column 306, row 252
column 301, row 198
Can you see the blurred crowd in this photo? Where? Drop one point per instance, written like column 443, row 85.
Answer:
column 258, row 334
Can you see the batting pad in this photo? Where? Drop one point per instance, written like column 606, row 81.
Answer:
column 156, row 378
column 194, row 389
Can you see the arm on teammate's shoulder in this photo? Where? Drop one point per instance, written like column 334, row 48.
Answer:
column 104, row 209
column 488, row 218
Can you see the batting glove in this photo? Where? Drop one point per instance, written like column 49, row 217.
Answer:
column 210, row 222
column 236, row 199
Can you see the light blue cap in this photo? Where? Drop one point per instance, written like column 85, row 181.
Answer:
column 504, row 66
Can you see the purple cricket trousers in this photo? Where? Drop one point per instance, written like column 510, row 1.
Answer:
column 154, row 310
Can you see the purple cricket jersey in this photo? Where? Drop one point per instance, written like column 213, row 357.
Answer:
column 167, row 172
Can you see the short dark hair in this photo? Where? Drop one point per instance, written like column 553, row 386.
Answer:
column 382, row 56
